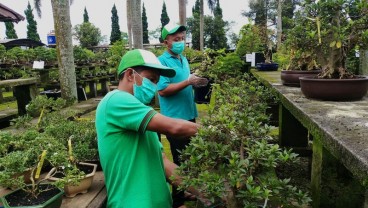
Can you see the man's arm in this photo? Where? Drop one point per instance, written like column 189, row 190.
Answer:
column 173, row 127
column 172, row 89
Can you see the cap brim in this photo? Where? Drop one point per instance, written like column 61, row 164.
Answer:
column 181, row 28
column 163, row 70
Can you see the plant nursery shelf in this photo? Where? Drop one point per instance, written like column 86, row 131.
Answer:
column 339, row 129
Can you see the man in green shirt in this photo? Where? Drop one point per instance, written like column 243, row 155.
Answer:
column 131, row 156
column 176, row 93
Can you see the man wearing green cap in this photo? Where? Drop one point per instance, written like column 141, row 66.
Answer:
column 135, row 169
column 176, row 93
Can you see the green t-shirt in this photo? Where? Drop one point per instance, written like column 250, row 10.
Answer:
column 130, row 156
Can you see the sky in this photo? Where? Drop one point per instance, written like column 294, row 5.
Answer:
column 99, row 13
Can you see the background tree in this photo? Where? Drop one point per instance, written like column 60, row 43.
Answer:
column 145, row 26
column 115, row 28
column 211, row 5
column 85, row 15
column 87, row 34
column 32, row 24
column 136, row 23
column 64, row 47
column 129, row 22
column 10, row 31
column 217, row 39
column 164, row 19
column 182, row 12
column 249, row 40
column 193, row 26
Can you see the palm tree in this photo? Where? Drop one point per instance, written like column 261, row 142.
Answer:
column 211, row 5
column 134, row 17
column 129, row 22
column 182, row 12
column 64, row 46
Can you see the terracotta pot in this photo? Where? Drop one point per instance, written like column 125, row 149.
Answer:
column 84, row 185
column 334, row 89
column 54, row 201
column 291, row 77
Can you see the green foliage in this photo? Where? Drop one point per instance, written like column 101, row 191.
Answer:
column 32, row 24
column 83, row 55
column 115, row 28
column 87, row 34
column 46, row 54
column 164, row 19
column 231, row 159
column 145, row 26
column 343, row 26
column 10, row 31
column 217, row 65
column 249, row 40
column 116, row 51
column 49, row 137
column 42, row 102
column 193, row 56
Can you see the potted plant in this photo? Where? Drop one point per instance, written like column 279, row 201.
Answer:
column 216, row 66
column 29, row 152
column 231, row 160
column 341, row 27
column 76, row 177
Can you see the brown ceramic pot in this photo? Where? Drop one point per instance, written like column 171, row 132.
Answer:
column 334, row 89
column 291, row 77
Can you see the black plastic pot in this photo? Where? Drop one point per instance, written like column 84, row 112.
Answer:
column 202, row 95
column 267, row 66
column 52, row 93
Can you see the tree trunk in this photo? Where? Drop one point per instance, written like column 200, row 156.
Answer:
column 363, row 58
column 279, row 23
column 201, row 27
column 129, row 22
column 137, row 29
column 182, row 12
column 64, row 49
column 231, row 201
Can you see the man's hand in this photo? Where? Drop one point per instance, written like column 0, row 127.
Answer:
column 197, row 81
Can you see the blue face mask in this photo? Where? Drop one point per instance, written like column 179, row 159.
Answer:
column 178, row 47
column 146, row 91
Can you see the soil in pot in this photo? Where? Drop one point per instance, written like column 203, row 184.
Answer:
column 21, row 198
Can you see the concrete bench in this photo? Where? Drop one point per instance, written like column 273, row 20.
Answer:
column 339, row 129
column 24, row 91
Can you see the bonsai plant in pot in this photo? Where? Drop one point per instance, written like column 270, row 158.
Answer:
column 343, row 27
column 30, row 152
column 216, row 66
column 231, row 160
column 79, row 137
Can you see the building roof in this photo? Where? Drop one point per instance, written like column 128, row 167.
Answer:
column 10, row 43
column 9, row 15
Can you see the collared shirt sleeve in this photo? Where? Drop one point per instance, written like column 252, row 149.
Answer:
column 164, row 82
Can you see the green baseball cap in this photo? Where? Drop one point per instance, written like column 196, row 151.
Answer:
column 171, row 29
column 139, row 57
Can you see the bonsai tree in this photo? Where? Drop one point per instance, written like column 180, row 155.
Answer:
column 231, row 160
column 341, row 26
column 27, row 152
